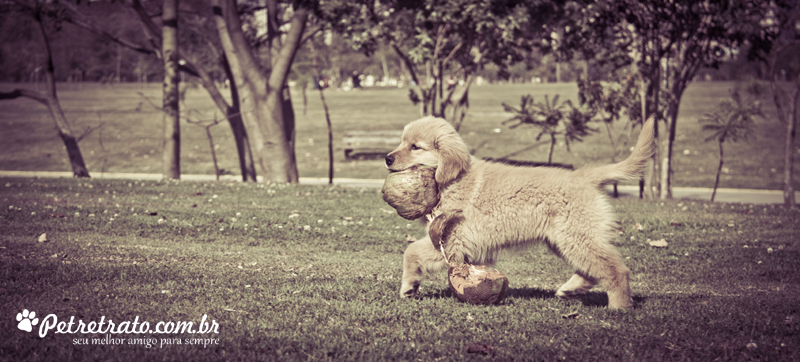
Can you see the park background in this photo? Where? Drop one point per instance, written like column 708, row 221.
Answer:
column 129, row 140
column 372, row 64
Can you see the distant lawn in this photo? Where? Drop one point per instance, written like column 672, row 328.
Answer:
column 295, row 273
column 130, row 139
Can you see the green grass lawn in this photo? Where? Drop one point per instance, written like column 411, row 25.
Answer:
column 312, row 273
column 130, row 140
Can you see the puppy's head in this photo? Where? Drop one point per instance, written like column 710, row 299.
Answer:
column 431, row 142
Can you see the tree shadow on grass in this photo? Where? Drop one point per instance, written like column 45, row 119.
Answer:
column 589, row 299
column 530, row 293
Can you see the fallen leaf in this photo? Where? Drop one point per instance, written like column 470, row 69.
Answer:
column 661, row 243
column 43, row 238
column 573, row 315
column 639, row 227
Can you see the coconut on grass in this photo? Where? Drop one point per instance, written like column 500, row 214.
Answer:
column 412, row 192
column 475, row 285
column 472, row 284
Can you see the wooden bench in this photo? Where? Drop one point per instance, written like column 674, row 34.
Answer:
column 370, row 143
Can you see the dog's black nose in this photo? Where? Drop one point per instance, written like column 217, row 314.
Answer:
column 389, row 160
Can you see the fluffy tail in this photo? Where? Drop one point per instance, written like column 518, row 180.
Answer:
column 629, row 169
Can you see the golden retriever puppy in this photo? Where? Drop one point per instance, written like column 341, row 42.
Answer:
column 503, row 206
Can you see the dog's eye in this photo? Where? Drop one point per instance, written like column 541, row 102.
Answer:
column 414, row 147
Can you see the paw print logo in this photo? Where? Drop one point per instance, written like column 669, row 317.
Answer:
column 27, row 320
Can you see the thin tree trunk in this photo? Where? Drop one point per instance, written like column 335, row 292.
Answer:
column 613, row 150
column 459, row 101
column 171, row 166
column 305, row 99
column 460, row 107
column 420, row 90
column 385, row 65
column 666, row 170
column 719, row 171
column 211, row 146
column 788, row 150
column 315, row 64
column 246, row 163
column 51, row 100
column 788, row 119
column 552, row 147
column 234, row 117
column 649, row 109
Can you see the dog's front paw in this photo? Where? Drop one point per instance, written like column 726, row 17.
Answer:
column 409, row 290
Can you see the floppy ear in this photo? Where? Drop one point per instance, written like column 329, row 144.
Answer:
column 453, row 157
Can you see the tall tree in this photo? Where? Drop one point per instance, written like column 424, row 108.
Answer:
column 665, row 42
column 171, row 163
column 265, row 103
column 194, row 66
column 778, row 45
column 49, row 97
column 191, row 64
column 450, row 41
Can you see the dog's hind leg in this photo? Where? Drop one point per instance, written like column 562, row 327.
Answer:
column 596, row 260
column 617, row 286
column 604, row 266
column 420, row 258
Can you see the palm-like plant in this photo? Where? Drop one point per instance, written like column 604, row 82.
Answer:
column 548, row 117
column 732, row 121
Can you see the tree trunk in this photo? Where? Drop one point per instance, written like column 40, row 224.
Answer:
column 231, row 111
column 385, row 65
column 650, row 108
column 416, row 87
column 788, row 118
column 666, row 167
column 788, row 150
column 460, row 107
column 234, row 117
column 318, row 73
column 171, row 162
column 613, row 151
column 459, row 100
column 265, row 102
column 51, row 100
column 680, row 70
column 719, row 170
